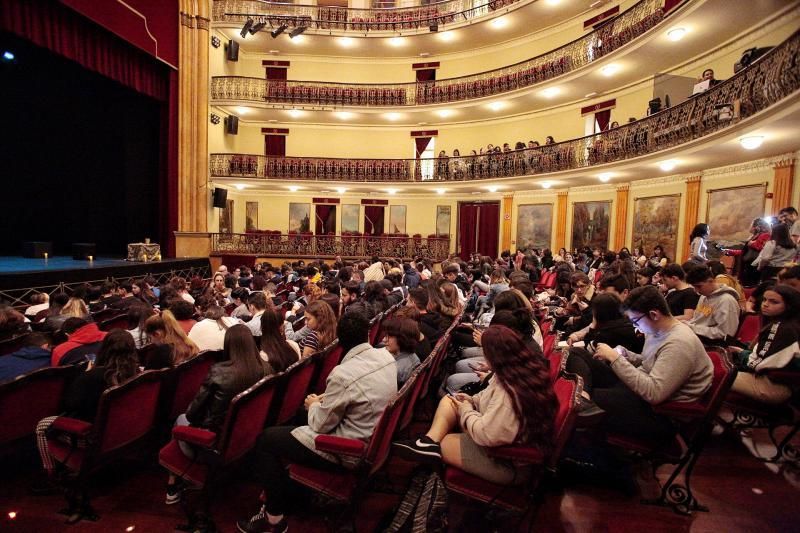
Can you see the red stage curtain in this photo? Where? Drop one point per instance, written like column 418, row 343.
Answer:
column 488, row 229
column 60, row 30
column 421, row 144
column 325, row 219
column 275, row 145
column 602, row 119
column 373, row 219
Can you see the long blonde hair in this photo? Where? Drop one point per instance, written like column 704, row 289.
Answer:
column 183, row 347
column 75, row 307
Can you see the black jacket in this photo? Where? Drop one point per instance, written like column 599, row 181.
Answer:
column 210, row 405
column 619, row 332
column 432, row 326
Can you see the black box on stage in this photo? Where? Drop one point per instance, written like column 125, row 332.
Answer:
column 82, row 250
column 37, row 249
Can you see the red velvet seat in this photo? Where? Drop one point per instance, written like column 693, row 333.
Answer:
column 295, row 385
column 120, row 321
column 749, row 326
column 185, row 380
column 521, row 498
column 13, row 344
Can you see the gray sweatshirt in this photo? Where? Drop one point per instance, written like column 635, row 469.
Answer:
column 717, row 316
column 673, row 366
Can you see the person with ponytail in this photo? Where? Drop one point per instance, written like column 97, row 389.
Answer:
column 517, row 407
column 277, row 352
column 164, row 329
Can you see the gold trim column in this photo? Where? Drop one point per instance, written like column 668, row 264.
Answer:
column 621, row 218
column 782, row 184
column 508, row 207
column 691, row 213
column 561, row 221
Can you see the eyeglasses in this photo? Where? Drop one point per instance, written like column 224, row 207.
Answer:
column 635, row 321
column 579, row 286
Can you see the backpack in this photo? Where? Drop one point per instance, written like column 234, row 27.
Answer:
column 424, row 506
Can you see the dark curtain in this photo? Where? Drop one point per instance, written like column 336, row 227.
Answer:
column 669, row 4
column 467, row 227
column 325, row 219
column 373, row 219
column 275, row 145
column 488, row 229
column 603, row 119
column 421, row 143
column 426, row 74
column 276, row 74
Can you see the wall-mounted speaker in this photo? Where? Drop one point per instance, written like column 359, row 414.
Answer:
column 232, row 125
column 232, row 51
column 220, row 197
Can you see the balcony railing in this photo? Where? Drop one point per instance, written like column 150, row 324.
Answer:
column 632, row 23
column 770, row 79
column 354, row 19
column 268, row 244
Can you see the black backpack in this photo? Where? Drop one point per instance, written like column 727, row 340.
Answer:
column 424, row 506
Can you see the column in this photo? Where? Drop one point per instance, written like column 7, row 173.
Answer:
column 782, row 184
column 561, row 221
column 508, row 204
column 691, row 210
column 621, row 218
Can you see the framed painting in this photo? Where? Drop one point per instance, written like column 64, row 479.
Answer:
column 226, row 218
column 299, row 217
column 251, row 216
column 443, row 220
column 534, row 226
column 655, row 222
column 730, row 212
column 350, row 213
column 397, row 219
column 590, row 221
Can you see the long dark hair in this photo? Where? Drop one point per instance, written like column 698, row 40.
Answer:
column 242, row 354
column 700, row 230
column 526, row 379
column 281, row 355
column 326, row 321
column 118, row 357
column 780, row 234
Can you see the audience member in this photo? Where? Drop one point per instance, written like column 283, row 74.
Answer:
column 277, row 352
column 209, row 333
column 681, row 297
column 164, row 329
column 35, row 354
column 716, row 317
column 256, row 304
column 779, row 250
column 698, row 238
column 40, row 301
column 402, row 336
column 83, row 342
column 321, row 320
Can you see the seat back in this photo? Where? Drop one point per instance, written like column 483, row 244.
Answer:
column 547, row 326
column 331, row 358
column 13, row 344
column 186, row 380
column 28, row 399
column 120, row 321
column 374, row 328
column 724, row 376
column 419, row 375
column 548, row 345
column 128, row 412
column 749, row 326
column 296, row 381
column 554, row 358
column 567, row 389
column 383, row 434
column 246, row 418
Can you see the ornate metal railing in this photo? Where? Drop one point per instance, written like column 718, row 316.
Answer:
column 632, row 23
column 775, row 76
column 354, row 19
column 268, row 244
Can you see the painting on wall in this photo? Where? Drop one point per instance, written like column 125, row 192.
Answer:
column 251, row 216
column 590, row 222
column 443, row 220
column 350, row 214
column 299, row 217
column 534, row 226
column 397, row 219
column 226, row 218
column 655, row 221
column 731, row 211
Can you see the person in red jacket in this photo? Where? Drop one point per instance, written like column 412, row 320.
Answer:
column 83, row 342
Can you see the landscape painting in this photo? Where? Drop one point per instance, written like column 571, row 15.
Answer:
column 534, row 226
column 655, row 222
column 731, row 211
column 251, row 216
column 590, row 222
column 350, row 219
column 299, row 218
column 397, row 219
column 443, row 220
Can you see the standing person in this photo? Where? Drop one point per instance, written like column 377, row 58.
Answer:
column 698, row 239
column 789, row 216
column 779, row 250
column 759, row 235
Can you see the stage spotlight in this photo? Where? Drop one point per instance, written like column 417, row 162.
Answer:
column 257, row 27
column 277, row 31
column 215, row 42
column 297, row 31
column 246, row 28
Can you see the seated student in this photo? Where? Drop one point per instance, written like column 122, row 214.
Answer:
column 33, row 356
column 614, row 284
column 163, row 329
column 256, row 304
column 681, row 297
column 109, row 297
column 577, row 314
column 673, row 366
column 430, row 321
column 451, row 273
column 424, row 346
column 716, row 317
column 775, row 347
column 321, row 322
column 241, row 369
column 277, row 352
column 239, row 298
column 183, row 312
column 137, row 316
column 116, row 363
column 722, row 277
column 790, row 276
column 402, row 336
column 12, row 322
column 39, row 302
column 450, row 305
column 54, row 319
column 178, row 284
column 518, row 406
column 126, row 296
column 144, row 292
column 644, row 276
column 356, row 394
column 209, row 333
column 83, row 340
column 497, row 284
column 610, row 326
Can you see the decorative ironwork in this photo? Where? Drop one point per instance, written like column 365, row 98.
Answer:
column 355, row 19
column 772, row 78
column 274, row 243
column 621, row 30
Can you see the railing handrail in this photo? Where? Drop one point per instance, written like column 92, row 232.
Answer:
column 766, row 81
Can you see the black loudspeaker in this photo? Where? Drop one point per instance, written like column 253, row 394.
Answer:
column 220, row 197
column 232, row 51
column 232, row 125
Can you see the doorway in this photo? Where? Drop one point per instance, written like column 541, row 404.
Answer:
column 478, row 228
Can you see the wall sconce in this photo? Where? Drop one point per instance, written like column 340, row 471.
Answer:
column 215, row 42
column 215, row 119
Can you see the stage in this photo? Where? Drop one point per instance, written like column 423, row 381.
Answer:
column 19, row 276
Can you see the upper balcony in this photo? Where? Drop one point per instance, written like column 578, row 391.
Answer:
column 763, row 87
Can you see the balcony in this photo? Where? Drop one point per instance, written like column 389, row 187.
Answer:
column 634, row 22
column 765, row 83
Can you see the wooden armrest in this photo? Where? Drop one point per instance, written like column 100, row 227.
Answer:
column 197, row 436
column 340, row 445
